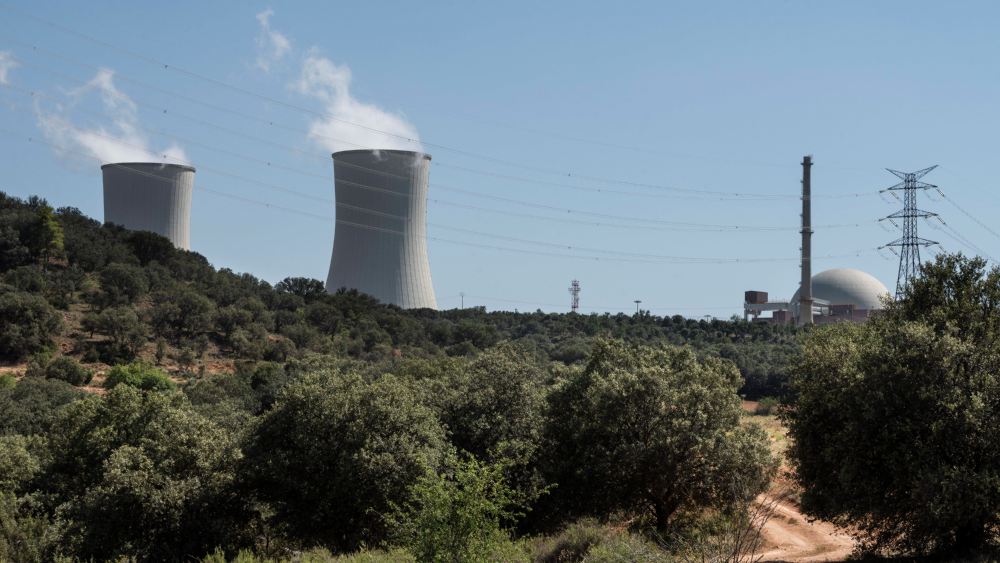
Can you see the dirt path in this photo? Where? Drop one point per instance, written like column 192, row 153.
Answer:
column 790, row 537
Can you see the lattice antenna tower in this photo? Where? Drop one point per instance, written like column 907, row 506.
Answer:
column 574, row 291
column 909, row 244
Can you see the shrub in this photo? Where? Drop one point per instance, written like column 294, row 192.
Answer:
column 122, row 284
column 767, row 406
column 894, row 429
column 69, row 370
column 336, row 451
column 651, row 430
column 457, row 514
column 141, row 476
column 27, row 324
column 140, row 375
column 30, row 407
column 125, row 331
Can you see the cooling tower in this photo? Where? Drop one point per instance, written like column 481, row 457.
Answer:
column 148, row 196
column 380, row 244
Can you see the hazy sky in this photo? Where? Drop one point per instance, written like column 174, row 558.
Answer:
column 560, row 132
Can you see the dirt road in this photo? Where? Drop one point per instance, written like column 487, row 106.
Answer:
column 790, row 537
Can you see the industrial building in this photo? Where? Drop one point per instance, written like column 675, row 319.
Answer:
column 380, row 239
column 149, row 196
column 840, row 294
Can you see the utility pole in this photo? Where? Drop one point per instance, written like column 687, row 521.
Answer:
column 909, row 244
column 462, row 295
column 805, row 285
column 574, row 291
column 637, row 301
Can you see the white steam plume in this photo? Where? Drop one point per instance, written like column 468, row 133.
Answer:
column 321, row 78
column 272, row 46
column 7, row 64
column 121, row 141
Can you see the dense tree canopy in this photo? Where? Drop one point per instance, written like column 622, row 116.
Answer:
column 894, row 430
column 652, row 428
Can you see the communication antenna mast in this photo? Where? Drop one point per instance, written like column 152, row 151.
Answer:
column 909, row 244
column 574, row 291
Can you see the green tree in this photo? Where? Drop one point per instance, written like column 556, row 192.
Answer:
column 46, row 236
column 69, row 370
column 336, row 451
column 139, row 375
column 457, row 515
column 894, row 427
column 27, row 324
column 141, row 475
column 182, row 313
column 122, row 284
column 651, row 429
column 125, row 331
column 30, row 407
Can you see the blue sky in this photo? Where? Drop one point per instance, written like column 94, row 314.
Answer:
column 539, row 104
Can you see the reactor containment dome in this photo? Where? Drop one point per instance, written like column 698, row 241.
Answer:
column 149, row 196
column 380, row 238
column 846, row 287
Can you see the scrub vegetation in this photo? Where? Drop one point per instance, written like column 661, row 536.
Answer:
column 154, row 408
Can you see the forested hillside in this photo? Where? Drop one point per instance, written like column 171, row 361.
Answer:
column 154, row 408
column 105, row 296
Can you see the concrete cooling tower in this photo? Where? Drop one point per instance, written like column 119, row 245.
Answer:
column 148, row 196
column 380, row 244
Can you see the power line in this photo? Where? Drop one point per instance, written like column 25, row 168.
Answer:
column 649, row 259
column 326, row 115
column 631, row 220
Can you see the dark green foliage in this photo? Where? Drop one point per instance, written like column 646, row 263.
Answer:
column 653, row 429
column 69, row 370
column 336, row 451
column 27, row 324
column 141, row 474
column 122, row 284
column 138, row 375
column 457, row 515
column 125, row 332
column 182, row 313
column 305, row 288
column 29, row 407
column 894, row 434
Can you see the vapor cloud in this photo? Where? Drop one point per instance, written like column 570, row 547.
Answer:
column 272, row 46
column 7, row 64
column 350, row 123
column 120, row 141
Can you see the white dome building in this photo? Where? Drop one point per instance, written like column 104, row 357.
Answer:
column 844, row 294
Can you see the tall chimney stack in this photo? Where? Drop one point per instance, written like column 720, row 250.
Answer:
column 805, row 287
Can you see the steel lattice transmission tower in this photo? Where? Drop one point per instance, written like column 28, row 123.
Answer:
column 909, row 244
column 574, row 291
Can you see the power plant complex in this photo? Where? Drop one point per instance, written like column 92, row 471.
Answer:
column 380, row 237
column 380, row 240
column 149, row 196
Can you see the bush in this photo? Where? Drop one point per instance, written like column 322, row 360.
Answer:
column 651, row 430
column 894, row 429
column 140, row 375
column 69, row 370
column 125, row 331
column 123, row 284
column 457, row 515
column 141, row 476
column 767, row 406
column 31, row 406
column 336, row 451
column 27, row 324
